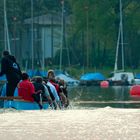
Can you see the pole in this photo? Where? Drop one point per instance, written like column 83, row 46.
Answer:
column 117, row 51
column 87, row 40
column 32, row 35
column 87, row 36
column 14, row 18
column 5, row 46
column 121, row 29
column 6, row 31
column 43, row 50
column 52, row 38
column 62, row 34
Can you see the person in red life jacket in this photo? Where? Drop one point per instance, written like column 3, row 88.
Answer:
column 11, row 69
column 52, row 80
column 26, row 88
column 27, row 91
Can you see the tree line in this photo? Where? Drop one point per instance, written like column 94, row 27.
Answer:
column 92, row 34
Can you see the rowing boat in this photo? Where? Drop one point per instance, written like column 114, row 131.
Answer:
column 20, row 104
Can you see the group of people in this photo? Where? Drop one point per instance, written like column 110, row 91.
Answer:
column 38, row 89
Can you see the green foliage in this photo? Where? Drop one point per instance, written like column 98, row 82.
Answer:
column 103, row 24
column 94, row 26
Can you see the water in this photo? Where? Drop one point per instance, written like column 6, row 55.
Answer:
column 95, row 114
column 97, row 124
column 95, row 96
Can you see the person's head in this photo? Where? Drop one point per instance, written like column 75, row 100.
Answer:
column 25, row 76
column 39, row 79
column 33, row 79
column 5, row 53
column 51, row 75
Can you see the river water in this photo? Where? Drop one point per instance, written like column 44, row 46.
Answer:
column 94, row 97
column 94, row 114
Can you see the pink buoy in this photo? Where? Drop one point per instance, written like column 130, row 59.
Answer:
column 135, row 90
column 104, row 84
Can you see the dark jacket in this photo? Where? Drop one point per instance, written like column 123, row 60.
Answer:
column 40, row 87
column 10, row 68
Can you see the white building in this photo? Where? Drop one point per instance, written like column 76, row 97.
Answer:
column 47, row 37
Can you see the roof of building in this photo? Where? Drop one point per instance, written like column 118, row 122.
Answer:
column 48, row 19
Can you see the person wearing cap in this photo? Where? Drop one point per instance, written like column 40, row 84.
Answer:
column 11, row 69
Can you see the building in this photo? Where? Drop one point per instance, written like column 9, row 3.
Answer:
column 47, row 39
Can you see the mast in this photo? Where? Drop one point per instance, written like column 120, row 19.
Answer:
column 5, row 46
column 121, row 30
column 87, row 33
column 43, row 50
column 32, row 35
column 6, row 31
column 62, row 34
column 117, row 51
column 120, row 41
column 43, row 46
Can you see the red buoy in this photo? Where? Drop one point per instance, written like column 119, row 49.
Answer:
column 135, row 90
column 104, row 84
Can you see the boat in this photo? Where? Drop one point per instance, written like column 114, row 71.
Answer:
column 119, row 76
column 20, row 104
column 137, row 79
column 33, row 73
column 91, row 78
column 2, row 80
column 69, row 80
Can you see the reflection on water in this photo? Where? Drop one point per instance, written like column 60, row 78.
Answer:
column 100, row 94
column 95, row 96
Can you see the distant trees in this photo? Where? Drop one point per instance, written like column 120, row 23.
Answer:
column 93, row 30
column 103, row 24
